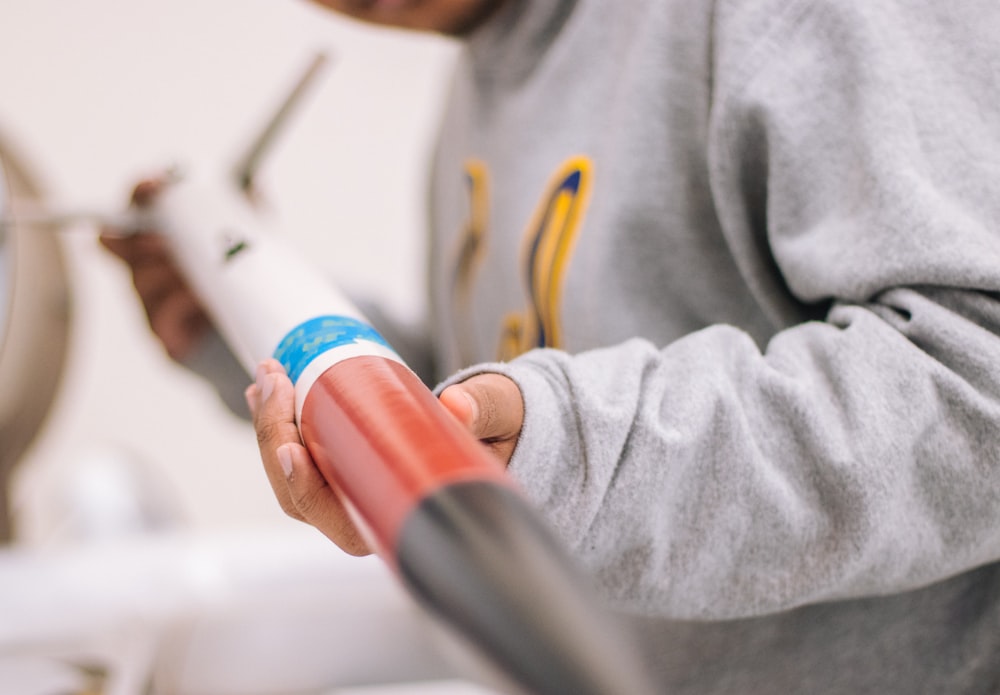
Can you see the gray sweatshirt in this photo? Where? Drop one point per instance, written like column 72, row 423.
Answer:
column 749, row 254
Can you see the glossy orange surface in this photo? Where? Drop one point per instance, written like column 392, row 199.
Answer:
column 384, row 441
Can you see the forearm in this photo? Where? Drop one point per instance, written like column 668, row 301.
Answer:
column 712, row 480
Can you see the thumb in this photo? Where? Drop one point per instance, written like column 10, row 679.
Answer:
column 489, row 405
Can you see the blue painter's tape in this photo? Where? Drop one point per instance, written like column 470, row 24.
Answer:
column 317, row 335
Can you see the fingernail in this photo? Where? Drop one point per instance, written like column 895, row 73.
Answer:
column 285, row 459
column 473, row 407
column 251, row 401
column 265, row 382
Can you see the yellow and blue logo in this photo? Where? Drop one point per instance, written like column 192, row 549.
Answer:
column 547, row 249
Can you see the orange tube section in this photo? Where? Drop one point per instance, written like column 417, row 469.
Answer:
column 381, row 438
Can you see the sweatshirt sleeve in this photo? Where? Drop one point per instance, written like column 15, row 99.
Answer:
column 855, row 164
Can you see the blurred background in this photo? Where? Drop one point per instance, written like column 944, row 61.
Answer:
column 96, row 94
column 149, row 554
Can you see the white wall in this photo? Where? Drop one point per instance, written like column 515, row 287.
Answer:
column 96, row 93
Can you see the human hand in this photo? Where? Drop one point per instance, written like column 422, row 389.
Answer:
column 301, row 489
column 491, row 408
column 174, row 313
column 489, row 405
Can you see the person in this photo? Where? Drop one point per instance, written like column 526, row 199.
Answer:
column 719, row 282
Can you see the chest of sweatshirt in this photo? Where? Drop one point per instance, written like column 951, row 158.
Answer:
column 572, row 207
